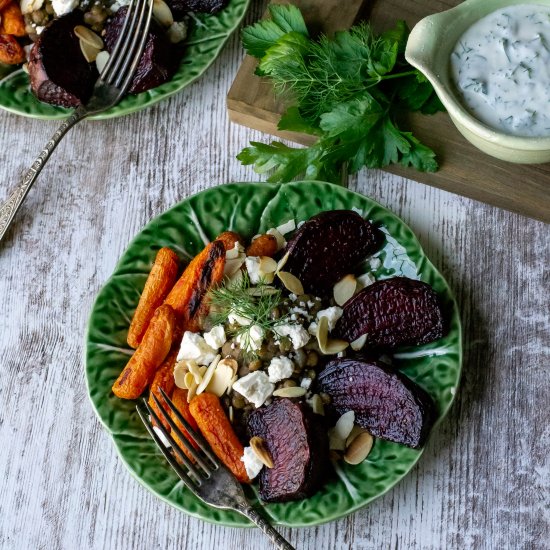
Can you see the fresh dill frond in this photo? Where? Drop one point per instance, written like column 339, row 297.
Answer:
column 249, row 305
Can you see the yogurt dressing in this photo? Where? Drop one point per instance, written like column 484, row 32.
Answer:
column 501, row 69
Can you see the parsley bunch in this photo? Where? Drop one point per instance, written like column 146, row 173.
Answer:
column 347, row 90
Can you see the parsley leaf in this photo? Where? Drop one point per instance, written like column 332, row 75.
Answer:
column 347, row 90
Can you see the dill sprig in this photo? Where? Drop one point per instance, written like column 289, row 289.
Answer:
column 253, row 303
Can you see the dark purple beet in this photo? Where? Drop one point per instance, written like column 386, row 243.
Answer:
column 393, row 312
column 58, row 71
column 160, row 58
column 180, row 7
column 386, row 403
column 329, row 246
column 297, row 440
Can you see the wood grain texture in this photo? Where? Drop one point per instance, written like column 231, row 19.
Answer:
column 484, row 480
column 463, row 169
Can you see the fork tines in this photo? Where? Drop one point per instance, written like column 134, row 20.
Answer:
column 119, row 69
column 205, row 461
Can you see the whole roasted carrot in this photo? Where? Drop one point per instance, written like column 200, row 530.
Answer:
column 163, row 379
column 217, row 430
column 150, row 354
column 187, row 298
column 159, row 283
column 179, row 399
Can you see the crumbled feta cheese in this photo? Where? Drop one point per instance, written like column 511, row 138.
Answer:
column 215, row 338
column 255, row 387
column 306, row 383
column 297, row 334
column 193, row 346
column 332, row 315
column 177, row 32
column 61, row 7
column 312, row 329
column 310, row 304
column 293, row 296
column 253, row 268
column 252, row 463
column 40, row 28
column 238, row 319
column 280, row 368
column 252, row 339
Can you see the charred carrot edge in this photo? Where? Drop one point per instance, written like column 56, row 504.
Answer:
column 179, row 399
column 163, row 379
column 11, row 52
column 217, row 430
column 187, row 295
column 264, row 245
column 12, row 21
column 229, row 238
column 159, row 283
column 150, row 354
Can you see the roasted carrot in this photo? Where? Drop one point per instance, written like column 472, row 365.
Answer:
column 12, row 21
column 264, row 245
column 187, row 298
column 150, row 354
column 217, row 430
column 4, row 3
column 179, row 399
column 11, row 52
column 159, row 283
column 229, row 238
column 163, row 379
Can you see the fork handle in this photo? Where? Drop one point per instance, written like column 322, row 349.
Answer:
column 278, row 540
column 11, row 206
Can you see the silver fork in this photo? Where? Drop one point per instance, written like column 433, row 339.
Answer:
column 208, row 479
column 112, row 84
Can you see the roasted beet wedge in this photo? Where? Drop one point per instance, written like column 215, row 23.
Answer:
column 329, row 246
column 159, row 61
column 393, row 312
column 385, row 402
column 181, row 7
column 297, row 440
column 58, row 72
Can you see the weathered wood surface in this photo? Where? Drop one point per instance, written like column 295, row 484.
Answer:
column 463, row 168
column 484, row 480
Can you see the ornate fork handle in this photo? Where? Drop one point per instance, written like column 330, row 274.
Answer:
column 11, row 206
column 275, row 537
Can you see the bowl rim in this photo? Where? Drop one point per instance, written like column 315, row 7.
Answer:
column 435, row 25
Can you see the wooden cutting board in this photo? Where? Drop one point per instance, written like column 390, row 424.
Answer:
column 463, row 168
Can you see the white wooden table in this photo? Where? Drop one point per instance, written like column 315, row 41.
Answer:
column 484, row 480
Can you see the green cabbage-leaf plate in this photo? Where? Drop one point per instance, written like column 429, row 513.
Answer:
column 250, row 208
column 207, row 36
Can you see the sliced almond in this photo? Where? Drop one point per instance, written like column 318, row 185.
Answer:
column 229, row 362
column 191, row 391
column 180, row 371
column 282, row 262
column 188, row 380
column 278, row 237
column 89, row 52
column 293, row 391
column 316, row 403
column 260, row 450
column 195, row 371
column 264, row 290
column 340, row 432
column 208, row 374
column 326, row 345
column 356, row 345
column 162, row 13
column 292, row 283
column 344, row 289
column 232, row 266
column 353, row 434
column 359, row 449
column 267, row 264
column 101, row 60
column 221, row 379
column 286, row 227
column 89, row 37
column 237, row 278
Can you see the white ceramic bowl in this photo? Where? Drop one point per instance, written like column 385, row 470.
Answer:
column 429, row 49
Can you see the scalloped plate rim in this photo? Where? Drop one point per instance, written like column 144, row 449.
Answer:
column 354, row 508
column 116, row 112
